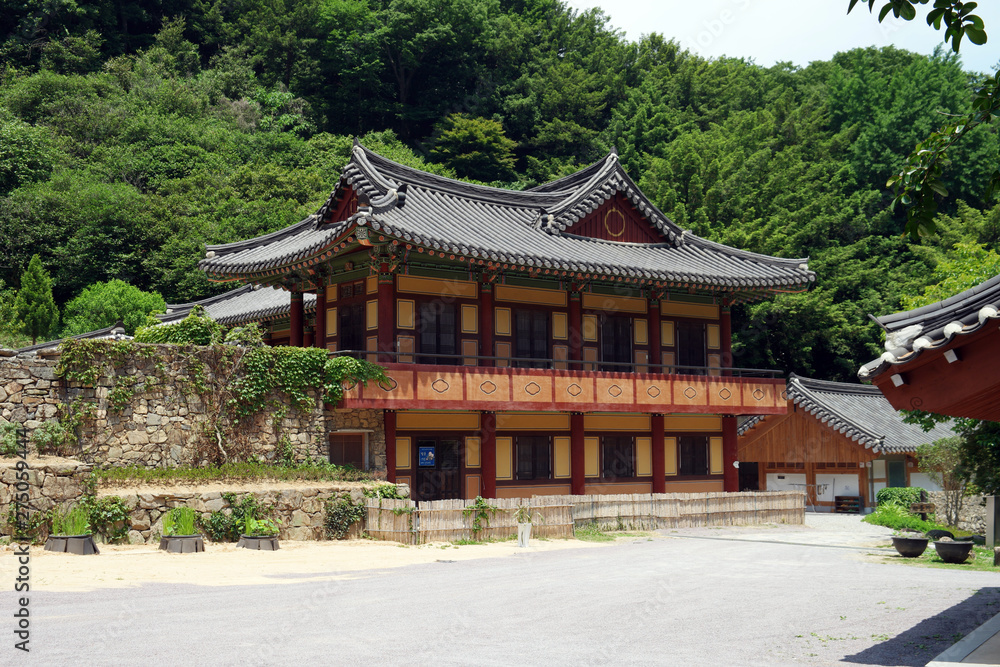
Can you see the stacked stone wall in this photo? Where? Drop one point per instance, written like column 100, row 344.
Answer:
column 973, row 514
column 52, row 481
column 367, row 421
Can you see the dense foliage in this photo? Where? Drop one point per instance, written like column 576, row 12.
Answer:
column 135, row 133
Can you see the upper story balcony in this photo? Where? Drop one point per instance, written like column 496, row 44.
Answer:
column 494, row 383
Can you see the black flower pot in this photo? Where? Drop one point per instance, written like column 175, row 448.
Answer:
column 953, row 552
column 83, row 545
column 182, row 544
column 910, row 547
column 258, row 542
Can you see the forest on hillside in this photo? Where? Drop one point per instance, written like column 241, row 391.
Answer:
column 133, row 133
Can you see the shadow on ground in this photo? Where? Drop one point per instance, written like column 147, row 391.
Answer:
column 924, row 641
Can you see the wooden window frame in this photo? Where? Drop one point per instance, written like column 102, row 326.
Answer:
column 684, row 472
column 533, row 440
column 603, row 464
column 365, row 447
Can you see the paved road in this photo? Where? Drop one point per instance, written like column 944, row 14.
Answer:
column 673, row 600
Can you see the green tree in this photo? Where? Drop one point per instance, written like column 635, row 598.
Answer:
column 942, row 462
column 34, row 306
column 26, row 154
column 103, row 304
column 475, row 148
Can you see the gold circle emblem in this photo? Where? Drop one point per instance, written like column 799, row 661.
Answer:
column 614, row 222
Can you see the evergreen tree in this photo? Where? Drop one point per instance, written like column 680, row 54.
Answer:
column 34, row 307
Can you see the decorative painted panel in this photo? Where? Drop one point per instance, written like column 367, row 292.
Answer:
column 503, row 351
column 667, row 334
column 404, row 313
column 405, row 346
column 595, row 422
column 692, row 423
column 470, row 348
column 331, row 293
column 505, row 458
column 617, row 220
column 331, row 321
column 641, row 331
column 472, row 452
column 501, row 322
column 470, row 318
column 591, row 457
column 402, row 453
column 643, row 457
column 560, row 353
column 714, row 336
column 590, row 328
column 715, row 456
column 371, row 284
column 532, row 421
column 430, row 421
column 560, row 326
column 705, row 311
column 670, row 455
column 371, row 314
column 437, row 287
column 473, row 484
column 561, row 455
column 614, row 304
column 548, row 297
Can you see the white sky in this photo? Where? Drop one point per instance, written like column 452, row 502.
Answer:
column 800, row 31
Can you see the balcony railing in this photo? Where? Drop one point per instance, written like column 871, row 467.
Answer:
column 465, row 360
column 565, row 385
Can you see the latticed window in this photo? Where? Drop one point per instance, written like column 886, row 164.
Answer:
column 534, row 457
column 348, row 449
column 693, row 454
column 616, row 343
column 617, row 456
column 691, row 347
column 438, row 333
column 531, row 328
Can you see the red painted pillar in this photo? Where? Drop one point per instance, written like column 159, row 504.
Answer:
column 659, row 457
column 308, row 336
column 320, row 338
column 578, row 467
column 488, row 452
column 575, row 329
column 726, row 338
column 389, row 427
column 296, row 324
column 386, row 316
column 486, row 323
column 655, row 356
column 730, row 474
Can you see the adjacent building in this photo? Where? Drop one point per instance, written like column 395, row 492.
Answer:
column 837, row 441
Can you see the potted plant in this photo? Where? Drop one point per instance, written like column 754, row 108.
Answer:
column 523, row 516
column 179, row 535
column 71, row 532
column 951, row 551
column 909, row 545
column 259, row 534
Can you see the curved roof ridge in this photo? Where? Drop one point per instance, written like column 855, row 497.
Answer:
column 173, row 307
column 383, row 167
column 837, row 387
column 984, row 293
column 804, row 396
column 799, row 262
column 569, row 182
column 281, row 234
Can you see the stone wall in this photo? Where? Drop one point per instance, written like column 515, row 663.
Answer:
column 166, row 421
column 973, row 514
column 368, row 421
column 300, row 510
column 51, row 481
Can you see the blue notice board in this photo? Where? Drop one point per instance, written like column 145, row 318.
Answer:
column 425, row 456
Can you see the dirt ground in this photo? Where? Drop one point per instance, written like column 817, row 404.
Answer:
column 123, row 566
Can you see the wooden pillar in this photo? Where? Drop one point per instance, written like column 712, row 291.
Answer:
column 575, row 330
column 320, row 338
column 389, row 427
column 659, row 456
column 655, row 350
column 386, row 317
column 730, row 474
column 308, row 336
column 488, row 442
column 578, row 467
column 726, row 331
column 486, row 323
column 296, row 324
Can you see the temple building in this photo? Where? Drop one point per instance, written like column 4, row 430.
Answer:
column 564, row 339
column 840, row 443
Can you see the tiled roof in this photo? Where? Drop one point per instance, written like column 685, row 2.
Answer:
column 860, row 412
column 911, row 332
column 106, row 332
column 519, row 228
column 244, row 304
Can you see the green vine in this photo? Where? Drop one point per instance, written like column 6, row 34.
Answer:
column 482, row 512
column 340, row 514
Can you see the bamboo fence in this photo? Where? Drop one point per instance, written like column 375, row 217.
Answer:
column 556, row 516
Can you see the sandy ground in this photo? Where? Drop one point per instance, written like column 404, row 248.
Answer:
column 123, row 566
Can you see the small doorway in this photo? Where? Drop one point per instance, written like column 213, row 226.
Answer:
column 439, row 463
column 749, row 477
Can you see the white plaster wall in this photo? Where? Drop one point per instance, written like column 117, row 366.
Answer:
column 878, row 471
column 924, row 481
column 837, row 485
column 775, row 484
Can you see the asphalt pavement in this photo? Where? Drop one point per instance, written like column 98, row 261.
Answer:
column 707, row 597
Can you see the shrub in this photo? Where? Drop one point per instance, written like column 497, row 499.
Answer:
column 226, row 526
column 197, row 328
column 9, row 445
column 108, row 517
column 390, row 491
column 340, row 514
column 179, row 521
column 898, row 517
column 52, row 437
column 249, row 335
column 72, row 521
column 252, row 526
column 899, row 495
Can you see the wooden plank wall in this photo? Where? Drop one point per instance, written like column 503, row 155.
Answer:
column 556, row 516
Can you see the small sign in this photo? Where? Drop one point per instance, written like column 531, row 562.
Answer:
column 922, row 508
column 425, row 456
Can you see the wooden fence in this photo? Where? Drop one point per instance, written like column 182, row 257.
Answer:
column 556, row 516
